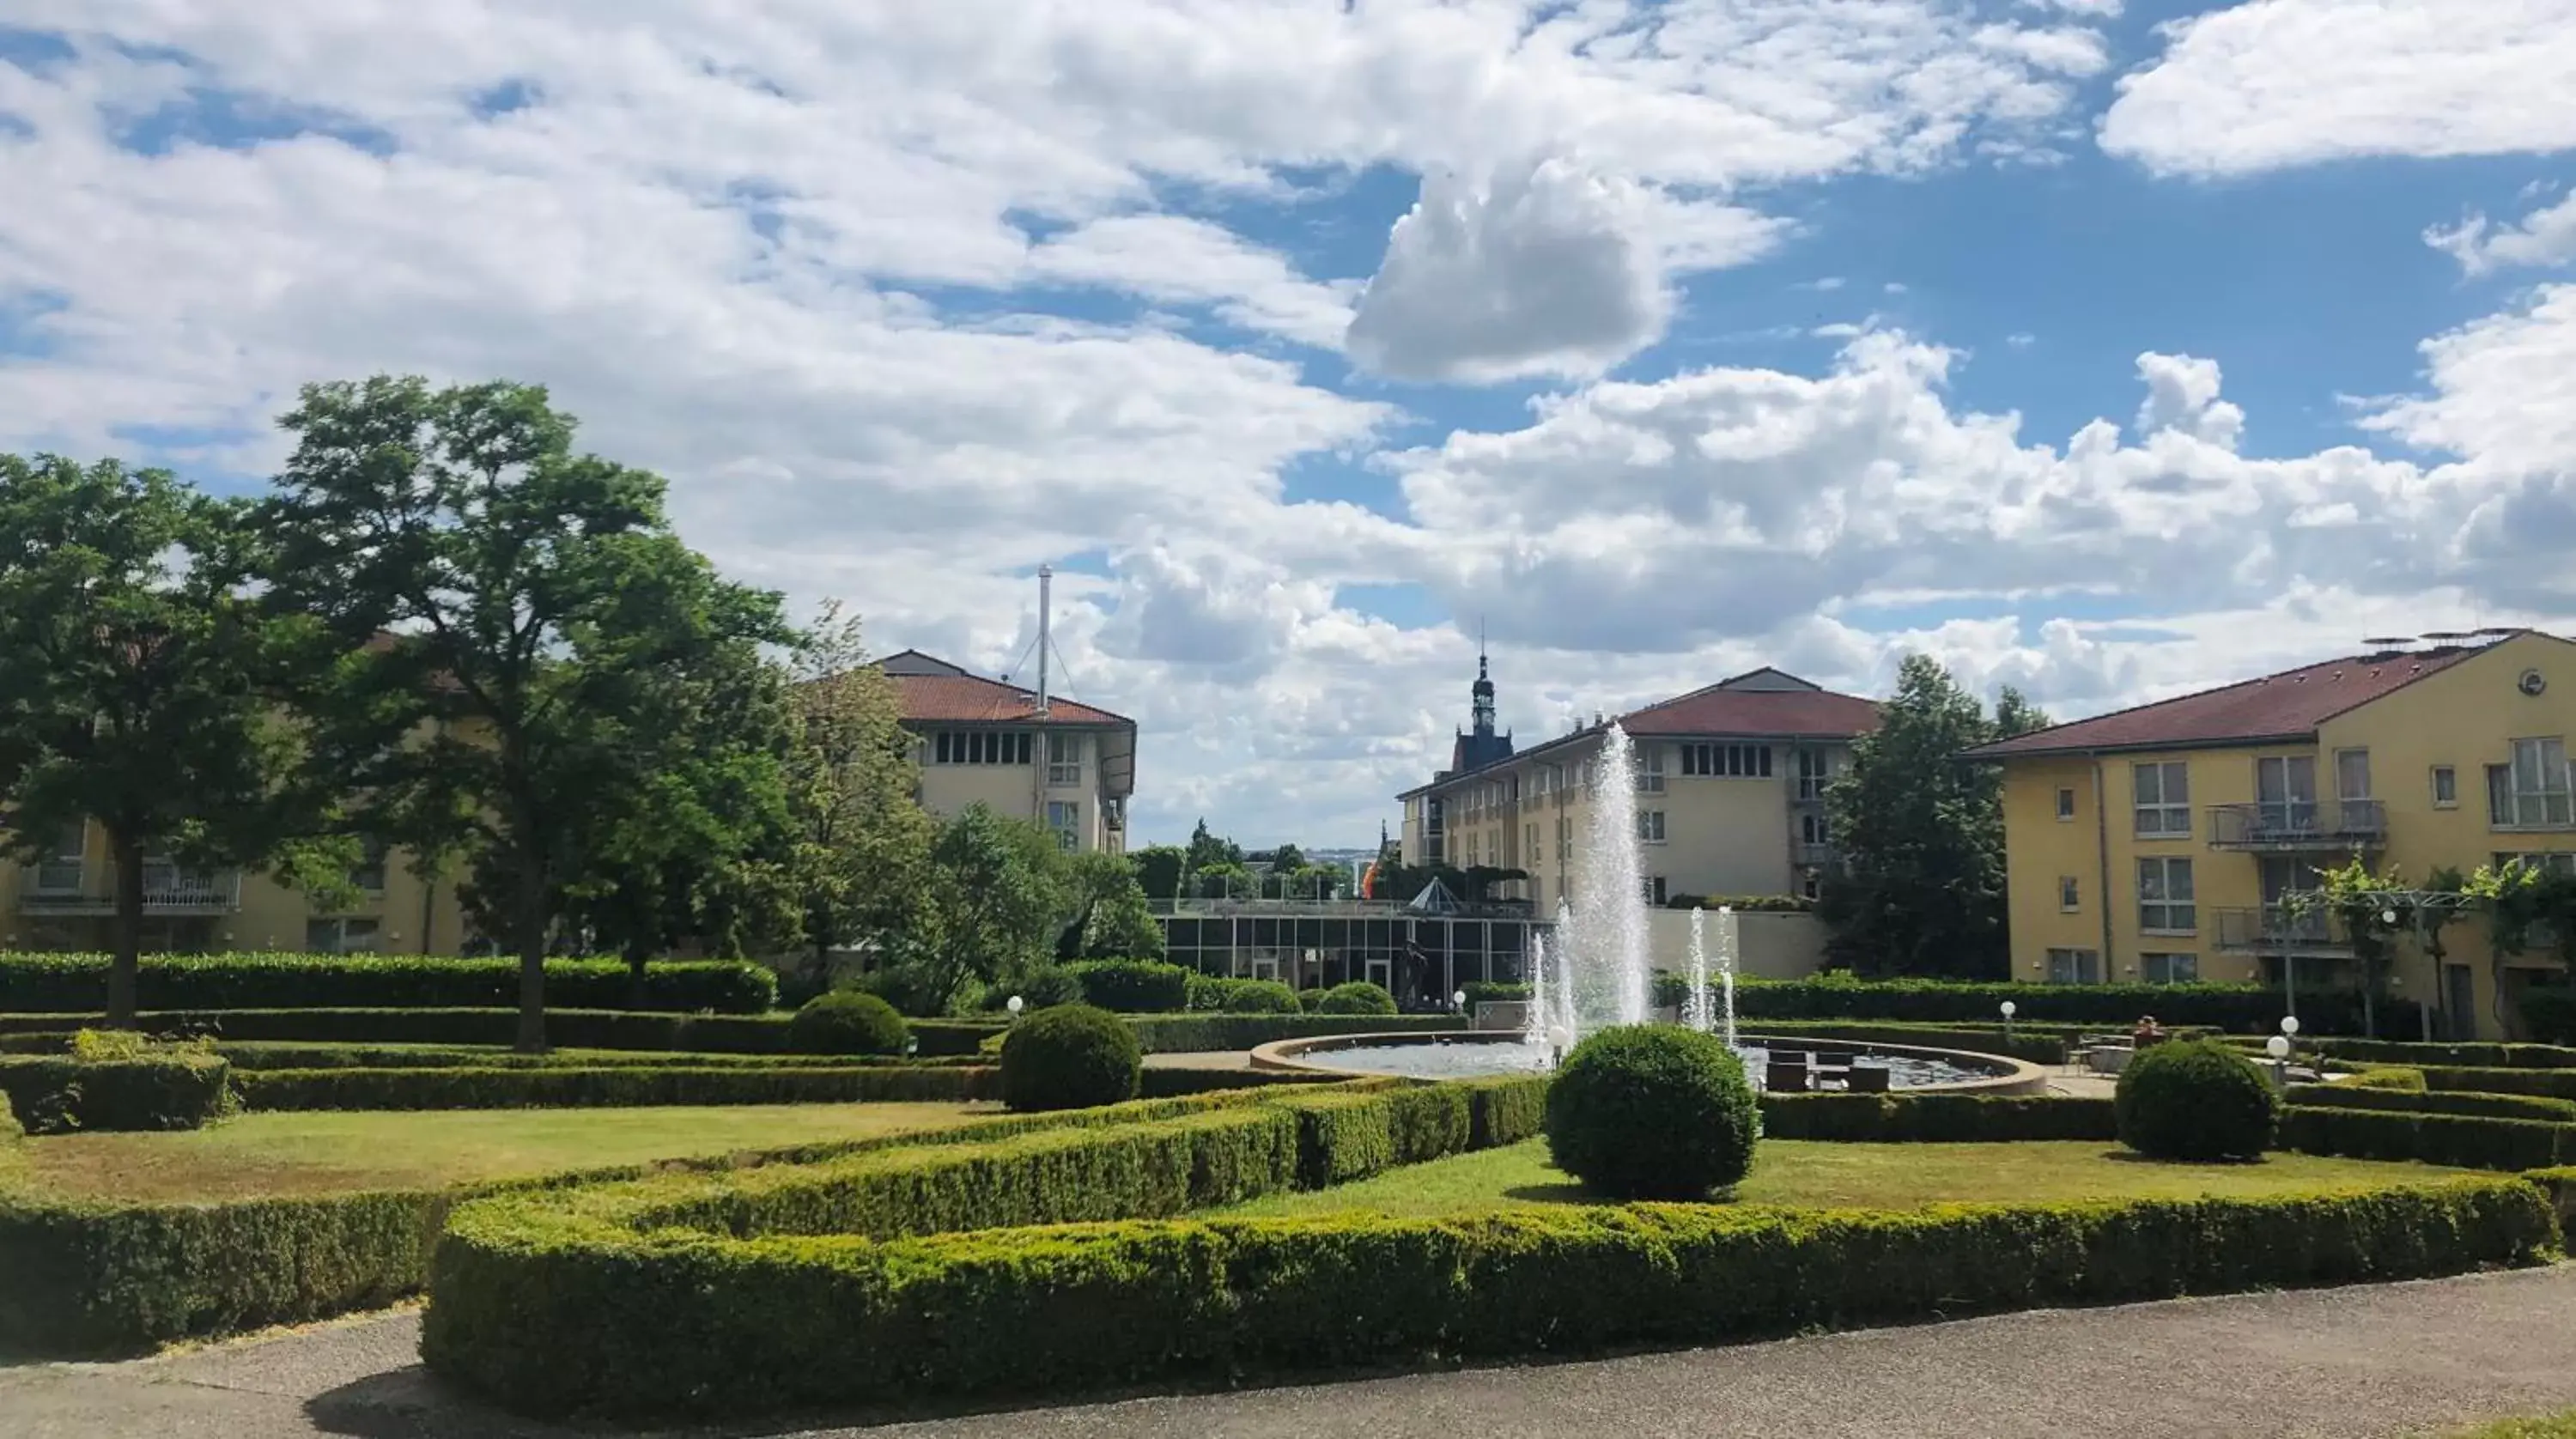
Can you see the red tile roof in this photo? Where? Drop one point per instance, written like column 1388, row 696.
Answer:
column 1757, row 713
column 970, row 699
column 2288, row 705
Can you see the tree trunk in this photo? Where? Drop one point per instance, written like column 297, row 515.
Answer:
column 638, row 956
column 125, row 961
column 531, row 924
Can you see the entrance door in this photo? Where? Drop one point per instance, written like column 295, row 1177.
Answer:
column 2460, row 1002
column 2285, row 788
column 1381, row 972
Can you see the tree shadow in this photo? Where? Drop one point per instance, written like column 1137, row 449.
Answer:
column 2131, row 1156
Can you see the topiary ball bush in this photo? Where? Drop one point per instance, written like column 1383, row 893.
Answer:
column 1653, row 1111
column 847, row 1021
column 1261, row 996
column 1357, row 997
column 2195, row 1100
column 1070, row 1057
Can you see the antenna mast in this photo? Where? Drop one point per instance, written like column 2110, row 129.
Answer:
column 1046, row 593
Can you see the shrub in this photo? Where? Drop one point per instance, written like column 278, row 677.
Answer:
column 10, row 1129
column 1043, row 987
column 2242, row 1007
column 1748, row 903
column 1357, row 997
column 1071, row 1057
column 1133, row 986
column 2455, row 1054
column 2550, row 1014
column 1504, row 1111
column 168, row 1088
column 77, row 983
column 1490, row 991
column 2195, row 1100
column 1212, row 994
column 618, row 1086
column 910, row 988
column 2453, row 1139
column 2485, row 1106
column 1184, row 1033
column 2392, row 1079
column 1652, row 1112
column 847, row 1021
column 2556, row 1083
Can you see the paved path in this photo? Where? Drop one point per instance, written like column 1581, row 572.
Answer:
column 1201, row 1059
column 2358, row 1363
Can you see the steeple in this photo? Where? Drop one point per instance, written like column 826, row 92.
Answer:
column 1483, row 689
column 1481, row 745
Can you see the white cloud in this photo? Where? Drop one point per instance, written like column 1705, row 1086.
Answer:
column 2182, row 395
column 2504, row 390
column 2546, row 236
column 2021, row 339
column 2273, row 83
column 1174, row 257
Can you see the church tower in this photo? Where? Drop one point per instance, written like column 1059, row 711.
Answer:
column 1480, row 746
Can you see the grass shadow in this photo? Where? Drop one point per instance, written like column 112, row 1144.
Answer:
column 2131, row 1156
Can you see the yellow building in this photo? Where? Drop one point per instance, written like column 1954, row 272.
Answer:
column 2159, row 844
column 1028, row 754
column 68, row 902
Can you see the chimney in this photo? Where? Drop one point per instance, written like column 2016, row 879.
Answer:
column 1046, row 594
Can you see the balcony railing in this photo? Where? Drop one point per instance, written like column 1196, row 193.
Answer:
column 2278, row 929
column 1803, row 852
column 167, row 889
column 2303, row 824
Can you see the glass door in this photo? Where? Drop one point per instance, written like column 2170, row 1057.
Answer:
column 2285, row 792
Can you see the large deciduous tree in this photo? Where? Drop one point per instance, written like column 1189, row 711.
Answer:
column 140, row 684
column 1920, row 831
column 860, row 839
column 996, row 894
column 538, row 641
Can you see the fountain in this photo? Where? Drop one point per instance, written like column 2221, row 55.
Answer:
column 1726, row 952
column 1695, row 1006
column 1601, row 944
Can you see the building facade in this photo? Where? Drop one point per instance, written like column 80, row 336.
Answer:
column 1730, row 794
column 2164, row 843
column 1067, row 766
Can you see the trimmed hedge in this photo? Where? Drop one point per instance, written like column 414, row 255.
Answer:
column 1357, row 997
column 2470, row 1056
column 2196, row 1099
column 616, row 1086
column 2554, row 1083
column 77, row 983
column 166, row 1089
column 1133, row 986
column 11, row 1131
column 2392, row 1079
column 266, row 1054
column 1213, row 994
column 1187, row 1033
column 2021, row 1044
column 2452, row 1139
column 1934, row 1118
column 2486, row 1106
column 847, row 1021
column 1074, row 1056
column 2242, row 1007
column 531, row 1302
column 1653, row 1112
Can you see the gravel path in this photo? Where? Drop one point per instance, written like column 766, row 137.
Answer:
column 2357, row 1363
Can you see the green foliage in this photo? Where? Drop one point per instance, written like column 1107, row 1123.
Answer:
column 1488, row 991
column 847, row 1021
column 11, row 1131
column 2195, row 1100
column 2460, row 1140
column 1159, row 868
column 1112, row 918
column 525, row 1300
column 1921, row 833
column 1212, row 994
column 1934, row 1118
column 538, row 670
column 1069, row 1057
column 2550, row 1014
column 611, row 1086
column 1207, row 852
column 1747, row 903
column 2469, row 1055
column 1504, row 1111
column 77, row 983
column 2488, row 1106
column 1652, row 1112
column 2394, row 1079
column 860, row 842
column 2557, row 1083
column 1131, row 986
column 138, row 684
column 1356, row 997
column 165, row 1087
column 995, row 898
column 1836, row 994
column 262, row 1055
column 1042, row 986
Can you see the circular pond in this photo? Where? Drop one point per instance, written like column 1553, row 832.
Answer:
column 1478, row 1055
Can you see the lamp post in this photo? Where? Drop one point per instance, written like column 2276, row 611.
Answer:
column 2010, row 1009
column 2278, row 1046
column 1459, row 1001
column 1015, row 1005
column 2289, row 1035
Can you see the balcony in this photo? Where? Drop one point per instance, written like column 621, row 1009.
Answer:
column 2299, row 825
column 2274, row 929
column 78, row 889
column 1803, row 853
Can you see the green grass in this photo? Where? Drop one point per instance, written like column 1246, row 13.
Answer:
column 333, row 1151
column 2562, row 1426
column 1866, row 1176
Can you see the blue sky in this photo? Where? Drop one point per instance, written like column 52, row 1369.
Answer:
column 1656, row 340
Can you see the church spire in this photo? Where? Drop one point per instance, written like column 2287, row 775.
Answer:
column 1483, row 690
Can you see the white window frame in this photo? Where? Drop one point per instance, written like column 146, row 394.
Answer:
column 2171, row 817
column 1064, row 816
column 2539, row 792
column 2160, row 909
column 1650, row 769
column 1650, row 826
column 1064, row 758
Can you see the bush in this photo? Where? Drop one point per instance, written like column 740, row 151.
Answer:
column 1492, row 991
column 2550, row 1014
column 2453, row 1139
column 2195, row 1100
column 77, row 983
column 1357, row 997
column 1042, row 987
column 165, row 1088
column 11, row 1130
column 1504, row 1111
column 847, row 1021
column 909, row 988
column 2555, row 1083
column 533, row 1305
column 1652, row 1112
column 1133, row 986
column 1748, row 903
column 2393, row 1080
column 1934, row 1118
column 1071, row 1057
column 2473, row 1055
column 2485, row 1106
column 251, row 1056
column 1212, row 994
column 618, row 1086
column 2242, row 1007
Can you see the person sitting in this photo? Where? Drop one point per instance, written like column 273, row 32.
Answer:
column 2148, row 1032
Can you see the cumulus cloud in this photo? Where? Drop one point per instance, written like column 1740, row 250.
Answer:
column 2182, row 395
column 2273, row 83
column 2546, row 236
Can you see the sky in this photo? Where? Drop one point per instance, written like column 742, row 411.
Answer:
column 2103, row 348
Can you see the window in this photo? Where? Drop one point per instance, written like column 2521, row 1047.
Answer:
column 2164, row 896
column 1653, row 889
column 2066, row 802
column 1064, row 759
column 2070, row 894
column 2352, row 774
column 2446, row 787
column 2169, row 968
column 1066, row 820
column 1811, row 883
column 2074, row 966
column 353, row 935
column 369, row 872
column 1565, row 841
column 2163, row 794
column 2561, row 863
column 1529, row 842
column 60, row 872
column 2532, row 792
column 1650, row 826
column 1815, row 772
column 1731, row 761
column 1650, row 770
column 980, row 747
column 1813, row 829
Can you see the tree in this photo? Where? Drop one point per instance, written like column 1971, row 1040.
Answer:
column 1287, row 859
column 996, row 895
column 140, row 685
column 2016, row 715
column 537, row 642
column 2376, row 910
column 1111, row 918
column 1159, row 868
column 1921, row 835
column 861, row 839
column 1207, row 851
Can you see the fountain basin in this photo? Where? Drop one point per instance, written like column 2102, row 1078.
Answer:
column 1485, row 1054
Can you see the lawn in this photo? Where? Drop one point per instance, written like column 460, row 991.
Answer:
column 332, row 1151
column 2561, row 1427
column 1868, row 1176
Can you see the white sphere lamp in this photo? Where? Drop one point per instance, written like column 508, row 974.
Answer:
column 2278, row 1046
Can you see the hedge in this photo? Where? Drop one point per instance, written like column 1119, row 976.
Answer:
column 2224, row 1006
column 2549, row 1012
column 2486, row 1106
column 273, row 1054
column 614, row 1086
column 1938, row 1118
column 533, row 1302
column 1216, row 994
column 2452, row 1139
column 2554, row 1083
column 1133, row 986
column 2464, row 1055
column 164, row 1090
column 74, row 983
column 2024, row 1043
column 1749, row 903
